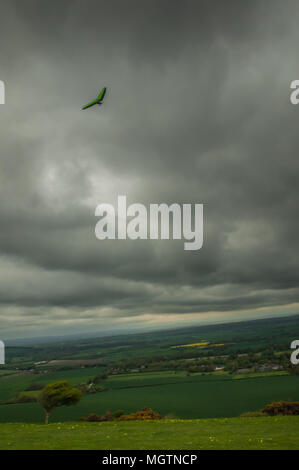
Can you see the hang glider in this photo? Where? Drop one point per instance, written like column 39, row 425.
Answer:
column 98, row 100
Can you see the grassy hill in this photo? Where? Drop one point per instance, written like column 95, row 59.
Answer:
column 225, row 433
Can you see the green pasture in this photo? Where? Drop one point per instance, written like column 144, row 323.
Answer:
column 205, row 434
column 182, row 396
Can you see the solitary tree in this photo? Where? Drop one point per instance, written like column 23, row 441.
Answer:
column 58, row 394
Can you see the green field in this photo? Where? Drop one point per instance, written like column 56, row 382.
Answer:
column 186, row 397
column 228, row 433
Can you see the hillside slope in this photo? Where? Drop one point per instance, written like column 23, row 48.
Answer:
column 226, row 433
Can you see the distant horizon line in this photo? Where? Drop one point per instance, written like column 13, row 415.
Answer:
column 122, row 332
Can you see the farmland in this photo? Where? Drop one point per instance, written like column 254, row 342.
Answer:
column 229, row 338
column 200, row 396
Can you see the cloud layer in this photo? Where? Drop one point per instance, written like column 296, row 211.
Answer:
column 197, row 110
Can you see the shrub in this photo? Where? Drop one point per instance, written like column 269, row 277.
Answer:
column 144, row 414
column 118, row 414
column 282, row 408
column 108, row 416
column 93, row 418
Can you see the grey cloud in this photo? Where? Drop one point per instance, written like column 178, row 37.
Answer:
column 197, row 110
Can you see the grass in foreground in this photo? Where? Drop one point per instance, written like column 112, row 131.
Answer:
column 228, row 433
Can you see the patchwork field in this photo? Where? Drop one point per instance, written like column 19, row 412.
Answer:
column 182, row 396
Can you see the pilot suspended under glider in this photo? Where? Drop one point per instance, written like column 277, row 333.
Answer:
column 98, row 100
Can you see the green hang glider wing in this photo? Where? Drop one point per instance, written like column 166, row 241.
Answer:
column 102, row 94
column 90, row 104
column 96, row 101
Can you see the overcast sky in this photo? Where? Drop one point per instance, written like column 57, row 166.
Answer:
column 197, row 110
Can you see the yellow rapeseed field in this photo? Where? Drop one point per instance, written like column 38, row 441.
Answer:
column 202, row 344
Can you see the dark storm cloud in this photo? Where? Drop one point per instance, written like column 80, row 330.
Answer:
column 197, row 110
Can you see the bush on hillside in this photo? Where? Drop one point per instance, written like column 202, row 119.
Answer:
column 144, row 414
column 94, row 418
column 118, row 414
column 282, row 408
